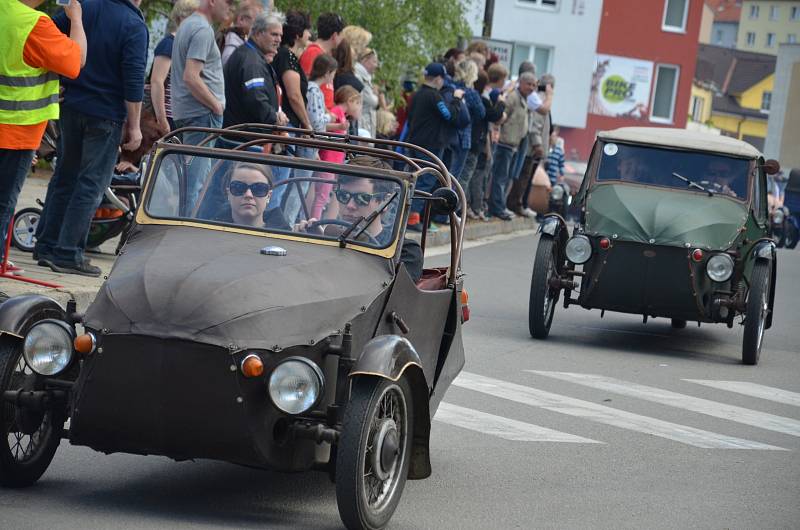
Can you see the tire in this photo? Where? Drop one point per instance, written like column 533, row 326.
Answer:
column 791, row 237
column 677, row 323
column 25, row 453
column 756, row 313
column 23, row 236
column 543, row 299
column 367, row 420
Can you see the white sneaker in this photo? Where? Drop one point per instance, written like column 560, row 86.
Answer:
column 509, row 213
column 527, row 212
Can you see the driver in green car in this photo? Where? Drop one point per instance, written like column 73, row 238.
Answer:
column 723, row 179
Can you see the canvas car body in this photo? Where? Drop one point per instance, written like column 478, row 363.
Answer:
column 275, row 346
column 673, row 224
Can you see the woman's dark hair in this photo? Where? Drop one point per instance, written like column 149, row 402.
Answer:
column 343, row 53
column 481, row 82
column 323, row 65
column 453, row 52
column 264, row 170
column 328, row 24
column 296, row 23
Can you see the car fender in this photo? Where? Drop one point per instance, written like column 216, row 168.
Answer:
column 19, row 313
column 392, row 357
column 554, row 227
column 764, row 250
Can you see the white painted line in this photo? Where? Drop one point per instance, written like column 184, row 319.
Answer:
column 602, row 414
column 501, row 427
column 762, row 420
column 753, row 390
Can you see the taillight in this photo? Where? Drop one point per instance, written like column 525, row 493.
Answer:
column 252, row 366
column 605, row 243
column 464, row 306
column 697, row 255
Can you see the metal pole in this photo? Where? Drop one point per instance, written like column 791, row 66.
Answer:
column 488, row 16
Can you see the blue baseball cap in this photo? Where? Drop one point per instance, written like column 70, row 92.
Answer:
column 435, row 70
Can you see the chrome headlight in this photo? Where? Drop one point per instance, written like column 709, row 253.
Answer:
column 719, row 267
column 48, row 347
column 295, row 385
column 579, row 249
column 777, row 216
column 557, row 193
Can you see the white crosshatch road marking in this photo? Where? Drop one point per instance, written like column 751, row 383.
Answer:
column 753, row 390
column 501, row 427
column 753, row 418
column 602, row 414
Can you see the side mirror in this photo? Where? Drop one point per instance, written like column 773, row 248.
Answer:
column 445, row 201
column 771, row 167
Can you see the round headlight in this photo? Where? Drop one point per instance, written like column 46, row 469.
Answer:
column 48, row 347
column 557, row 193
column 777, row 216
column 719, row 267
column 295, row 385
column 579, row 249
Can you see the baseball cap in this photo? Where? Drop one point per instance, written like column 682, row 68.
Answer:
column 435, row 70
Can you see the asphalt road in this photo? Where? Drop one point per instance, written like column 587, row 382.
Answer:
column 608, row 424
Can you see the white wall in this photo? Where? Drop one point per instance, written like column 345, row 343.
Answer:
column 573, row 39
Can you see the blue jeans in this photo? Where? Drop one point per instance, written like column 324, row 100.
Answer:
column 87, row 152
column 14, row 167
column 292, row 203
column 426, row 183
column 200, row 166
column 458, row 161
column 501, row 176
column 519, row 158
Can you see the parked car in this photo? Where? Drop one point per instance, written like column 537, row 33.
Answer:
column 227, row 331
column 673, row 224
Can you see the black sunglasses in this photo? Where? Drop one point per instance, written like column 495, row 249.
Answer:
column 362, row 198
column 239, row 188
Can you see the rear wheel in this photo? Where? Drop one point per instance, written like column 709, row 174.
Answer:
column 23, row 235
column 374, row 452
column 543, row 298
column 756, row 312
column 29, row 439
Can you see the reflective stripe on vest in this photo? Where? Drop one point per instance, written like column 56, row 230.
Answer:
column 27, row 95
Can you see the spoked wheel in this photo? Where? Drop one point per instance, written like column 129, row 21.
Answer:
column 756, row 313
column 543, row 297
column 374, row 452
column 29, row 439
column 23, row 236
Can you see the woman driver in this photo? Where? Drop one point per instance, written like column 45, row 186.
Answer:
column 248, row 188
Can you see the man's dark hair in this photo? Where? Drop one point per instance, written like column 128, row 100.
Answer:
column 328, row 24
column 527, row 66
column 296, row 23
column 378, row 185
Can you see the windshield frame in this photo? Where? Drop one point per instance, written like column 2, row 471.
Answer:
column 161, row 150
column 598, row 154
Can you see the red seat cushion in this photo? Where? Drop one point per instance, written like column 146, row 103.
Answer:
column 433, row 279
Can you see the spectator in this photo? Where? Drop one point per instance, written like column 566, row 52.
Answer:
column 33, row 49
column 364, row 69
column 198, row 89
column 359, row 39
column 512, row 133
column 250, row 81
column 100, row 108
column 466, row 75
column 385, row 125
column 345, row 74
column 427, row 121
column 242, row 25
column 349, row 100
column 555, row 157
column 329, row 26
column 478, row 51
column 162, row 60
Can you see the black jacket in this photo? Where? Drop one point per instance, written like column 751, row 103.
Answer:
column 430, row 118
column 249, row 88
column 493, row 114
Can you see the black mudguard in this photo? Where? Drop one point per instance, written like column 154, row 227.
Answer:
column 764, row 250
column 555, row 227
column 19, row 313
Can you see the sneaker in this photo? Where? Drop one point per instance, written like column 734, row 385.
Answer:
column 84, row 269
column 417, row 227
column 433, row 228
column 13, row 269
column 482, row 216
column 509, row 213
column 503, row 215
column 472, row 215
column 527, row 212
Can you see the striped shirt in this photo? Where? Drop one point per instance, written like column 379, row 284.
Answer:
column 555, row 163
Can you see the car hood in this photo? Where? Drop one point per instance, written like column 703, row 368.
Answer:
column 664, row 217
column 216, row 287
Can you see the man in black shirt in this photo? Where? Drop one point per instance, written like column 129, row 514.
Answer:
column 250, row 80
column 428, row 119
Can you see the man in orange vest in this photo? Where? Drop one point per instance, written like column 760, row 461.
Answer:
column 33, row 53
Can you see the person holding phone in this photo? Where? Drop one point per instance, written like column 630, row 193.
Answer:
column 33, row 53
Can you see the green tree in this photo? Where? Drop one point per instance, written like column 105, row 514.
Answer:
column 407, row 34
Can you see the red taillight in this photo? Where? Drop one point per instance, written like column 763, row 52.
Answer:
column 605, row 243
column 464, row 306
column 697, row 255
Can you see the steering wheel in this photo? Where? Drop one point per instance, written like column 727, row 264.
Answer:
column 339, row 222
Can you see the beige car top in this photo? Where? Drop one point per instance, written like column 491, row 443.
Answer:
column 681, row 139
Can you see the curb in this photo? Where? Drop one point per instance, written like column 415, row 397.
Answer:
column 477, row 230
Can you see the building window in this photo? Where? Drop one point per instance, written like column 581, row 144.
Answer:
column 543, row 4
column 753, row 12
column 791, row 38
column 774, row 12
column 538, row 55
column 770, row 40
column 718, row 38
column 795, row 13
column 666, row 87
column 751, row 38
column 675, row 12
column 697, row 109
column 766, row 101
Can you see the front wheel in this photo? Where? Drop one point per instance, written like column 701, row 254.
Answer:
column 756, row 313
column 543, row 297
column 374, row 452
column 792, row 236
column 23, row 235
column 29, row 439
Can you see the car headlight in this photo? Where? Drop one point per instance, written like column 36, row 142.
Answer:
column 48, row 347
column 719, row 267
column 557, row 193
column 777, row 216
column 579, row 249
column 295, row 385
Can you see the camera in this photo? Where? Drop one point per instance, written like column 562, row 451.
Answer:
column 542, row 87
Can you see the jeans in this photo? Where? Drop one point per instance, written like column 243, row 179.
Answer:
column 467, row 172
column 14, row 167
column 501, row 169
column 519, row 158
column 288, row 196
column 478, row 182
column 87, row 152
column 200, row 166
column 426, row 183
column 458, row 161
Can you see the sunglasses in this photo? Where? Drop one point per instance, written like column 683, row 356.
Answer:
column 239, row 188
column 362, row 198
